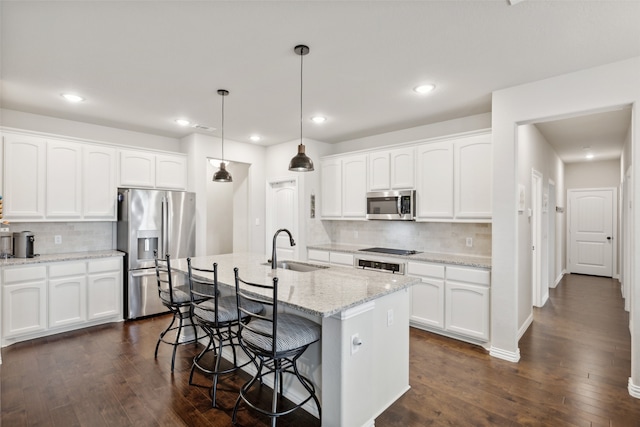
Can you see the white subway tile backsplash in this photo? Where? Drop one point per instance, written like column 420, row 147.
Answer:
column 75, row 236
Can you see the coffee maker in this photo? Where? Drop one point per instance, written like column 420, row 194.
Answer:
column 6, row 245
column 23, row 244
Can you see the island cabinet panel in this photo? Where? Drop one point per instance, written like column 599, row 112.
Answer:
column 24, row 177
column 64, row 180
column 24, row 301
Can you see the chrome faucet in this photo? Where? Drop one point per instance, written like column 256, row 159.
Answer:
column 274, row 262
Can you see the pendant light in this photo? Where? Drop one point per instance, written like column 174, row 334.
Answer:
column 300, row 162
column 222, row 175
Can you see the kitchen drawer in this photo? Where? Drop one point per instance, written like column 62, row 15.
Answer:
column 469, row 275
column 340, row 258
column 107, row 264
column 316, row 255
column 67, row 269
column 425, row 270
column 23, row 274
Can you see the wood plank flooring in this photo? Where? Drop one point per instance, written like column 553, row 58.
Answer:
column 574, row 368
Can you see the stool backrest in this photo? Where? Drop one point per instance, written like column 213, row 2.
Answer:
column 267, row 295
column 202, row 289
column 164, row 277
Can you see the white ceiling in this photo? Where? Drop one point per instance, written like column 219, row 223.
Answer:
column 142, row 64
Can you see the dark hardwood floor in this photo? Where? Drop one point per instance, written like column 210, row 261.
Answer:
column 574, row 368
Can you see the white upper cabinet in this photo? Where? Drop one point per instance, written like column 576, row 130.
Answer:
column 24, row 177
column 137, row 169
column 99, row 180
column 435, row 181
column 472, row 163
column 171, row 172
column 343, row 186
column 64, row 180
column 149, row 170
column 331, row 188
column 354, row 186
column 392, row 169
column 454, row 180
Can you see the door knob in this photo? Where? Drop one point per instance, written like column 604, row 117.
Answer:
column 608, row 237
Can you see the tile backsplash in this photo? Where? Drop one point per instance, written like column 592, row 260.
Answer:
column 421, row 236
column 75, row 236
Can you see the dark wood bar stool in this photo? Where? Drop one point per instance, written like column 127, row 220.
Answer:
column 276, row 340
column 178, row 302
column 218, row 317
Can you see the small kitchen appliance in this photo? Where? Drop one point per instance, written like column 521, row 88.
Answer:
column 391, row 205
column 23, row 244
column 6, row 245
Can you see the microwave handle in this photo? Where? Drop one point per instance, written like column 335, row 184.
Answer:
column 399, row 205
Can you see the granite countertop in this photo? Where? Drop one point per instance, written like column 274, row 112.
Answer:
column 71, row 256
column 445, row 258
column 322, row 292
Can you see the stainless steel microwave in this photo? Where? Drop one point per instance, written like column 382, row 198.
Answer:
column 391, row 205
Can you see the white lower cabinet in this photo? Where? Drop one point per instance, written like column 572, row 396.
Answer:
column 59, row 296
column 330, row 258
column 451, row 299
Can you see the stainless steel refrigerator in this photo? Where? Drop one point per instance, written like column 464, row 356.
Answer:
column 151, row 220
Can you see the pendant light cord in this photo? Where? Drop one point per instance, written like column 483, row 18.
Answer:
column 223, row 128
column 301, row 61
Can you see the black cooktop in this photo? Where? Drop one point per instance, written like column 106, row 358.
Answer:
column 391, row 251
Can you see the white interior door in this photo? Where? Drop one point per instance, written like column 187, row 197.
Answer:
column 551, row 240
column 282, row 212
column 591, row 224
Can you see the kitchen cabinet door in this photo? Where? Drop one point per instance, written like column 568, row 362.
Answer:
column 427, row 297
column 24, row 177
column 473, row 182
column 434, row 189
column 318, row 256
column 99, row 183
column 24, row 301
column 67, row 301
column 331, row 188
column 104, row 296
column 354, row 186
column 64, row 180
column 402, row 163
column 137, row 169
column 467, row 302
column 171, row 172
column 380, row 171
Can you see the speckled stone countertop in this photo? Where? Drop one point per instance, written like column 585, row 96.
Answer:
column 322, row 292
column 445, row 258
column 71, row 256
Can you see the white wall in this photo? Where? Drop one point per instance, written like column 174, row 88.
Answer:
column 591, row 90
column 534, row 152
column 199, row 149
column 434, row 130
column 69, row 128
column 601, row 174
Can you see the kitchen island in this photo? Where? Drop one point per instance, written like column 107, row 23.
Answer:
column 361, row 364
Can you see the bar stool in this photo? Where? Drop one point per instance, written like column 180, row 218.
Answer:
column 277, row 340
column 218, row 317
column 177, row 301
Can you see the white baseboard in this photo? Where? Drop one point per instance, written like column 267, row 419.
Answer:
column 509, row 356
column 525, row 326
column 634, row 390
column 559, row 278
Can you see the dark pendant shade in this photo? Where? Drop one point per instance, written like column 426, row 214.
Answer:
column 222, row 175
column 300, row 162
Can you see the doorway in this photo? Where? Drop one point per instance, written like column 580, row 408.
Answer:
column 591, row 215
column 551, row 233
column 536, row 240
column 282, row 212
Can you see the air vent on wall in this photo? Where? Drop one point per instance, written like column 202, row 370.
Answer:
column 203, row 127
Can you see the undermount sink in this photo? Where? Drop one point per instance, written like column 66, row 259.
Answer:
column 302, row 267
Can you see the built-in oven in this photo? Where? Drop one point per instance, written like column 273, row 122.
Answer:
column 391, row 205
column 368, row 263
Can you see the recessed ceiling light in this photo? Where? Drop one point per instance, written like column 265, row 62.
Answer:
column 72, row 98
column 318, row 119
column 183, row 122
column 255, row 138
column 589, row 156
column 424, row 88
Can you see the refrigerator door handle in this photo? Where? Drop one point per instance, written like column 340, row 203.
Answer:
column 165, row 226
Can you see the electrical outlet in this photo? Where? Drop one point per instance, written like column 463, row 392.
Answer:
column 390, row 317
column 57, row 239
column 469, row 242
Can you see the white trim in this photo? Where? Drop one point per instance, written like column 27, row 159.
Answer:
column 355, row 311
column 525, row 326
column 505, row 355
column 634, row 390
